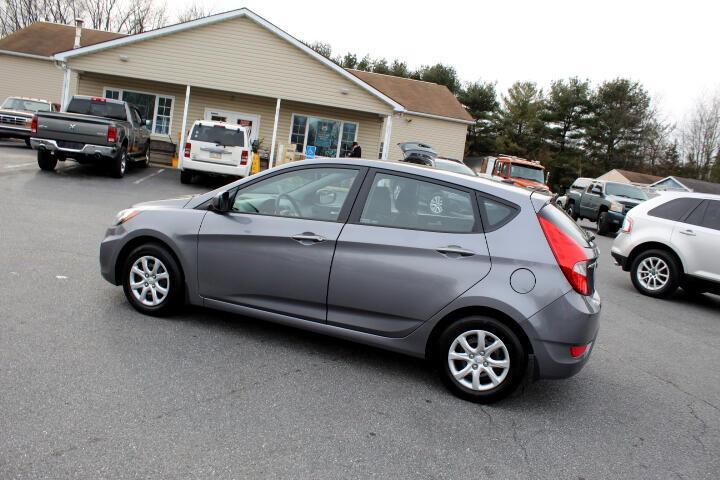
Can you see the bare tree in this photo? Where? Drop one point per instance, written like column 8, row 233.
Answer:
column 17, row 14
column 194, row 11
column 700, row 137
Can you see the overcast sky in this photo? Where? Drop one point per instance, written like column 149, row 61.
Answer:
column 673, row 48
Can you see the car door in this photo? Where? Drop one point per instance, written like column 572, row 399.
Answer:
column 397, row 263
column 698, row 238
column 273, row 250
column 590, row 200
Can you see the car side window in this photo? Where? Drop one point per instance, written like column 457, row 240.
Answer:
column 675, row 209
column 712, row 215
column 495, row 213
column 402, row 202
column 310, row 193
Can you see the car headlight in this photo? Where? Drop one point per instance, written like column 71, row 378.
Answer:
column 125, row 215
column 616, row 207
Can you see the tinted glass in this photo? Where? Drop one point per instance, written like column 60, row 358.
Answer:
column 403, row 202
column 675, row 209
column 313, row 193
column 495, row 214
column 26, row 105
column 712, row 215
column 528, row 173
column 97, row 108
column 227, row 137
column 622, row 190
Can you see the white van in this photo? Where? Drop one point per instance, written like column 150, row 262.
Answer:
column 218, row 148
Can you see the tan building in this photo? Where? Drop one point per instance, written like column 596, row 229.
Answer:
column 27, row 63
column 240, row 68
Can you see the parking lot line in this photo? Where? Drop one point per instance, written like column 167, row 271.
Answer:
column 19, row 165
column 140, row 180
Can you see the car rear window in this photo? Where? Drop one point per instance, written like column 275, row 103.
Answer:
column 562, row 220
column 97, row 108
column 675, row 209
column 227, row 137
column 495, row 213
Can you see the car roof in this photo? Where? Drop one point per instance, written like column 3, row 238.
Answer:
column 669, row 195
column 520, row 161
column 216, row 123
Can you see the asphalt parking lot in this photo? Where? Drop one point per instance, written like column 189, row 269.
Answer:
column 92, row 389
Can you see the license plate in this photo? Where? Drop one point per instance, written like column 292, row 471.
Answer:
column 216, row 156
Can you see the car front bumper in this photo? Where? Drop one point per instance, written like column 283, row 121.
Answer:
column 14, row 132
column 87, row 150
column 110, row 249
column 571, row 320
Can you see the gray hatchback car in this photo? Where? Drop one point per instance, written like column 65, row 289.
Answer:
column 496, row 286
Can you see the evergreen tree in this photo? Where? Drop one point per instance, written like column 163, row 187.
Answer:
column 480, row 99
column 520, row 120
column 441, row 74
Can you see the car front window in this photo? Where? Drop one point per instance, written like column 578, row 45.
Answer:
column 26, row 105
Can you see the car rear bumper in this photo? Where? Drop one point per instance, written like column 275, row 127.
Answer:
column 88, row 149
column 620, row 260
column 570, row 321
column 216, row 168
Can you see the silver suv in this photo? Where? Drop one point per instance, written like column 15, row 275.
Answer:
column 497, row 284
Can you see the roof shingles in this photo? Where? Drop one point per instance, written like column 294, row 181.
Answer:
column 46, row 39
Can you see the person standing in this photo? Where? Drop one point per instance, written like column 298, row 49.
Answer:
column 355, row 151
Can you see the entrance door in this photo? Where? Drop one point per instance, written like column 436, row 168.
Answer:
column 247, row 120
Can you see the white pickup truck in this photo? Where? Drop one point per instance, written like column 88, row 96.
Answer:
column 216, row 148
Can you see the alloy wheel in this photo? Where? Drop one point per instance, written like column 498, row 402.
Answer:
column 436, row 204
column 479, row 360
column 149, row 281
column 653, row 273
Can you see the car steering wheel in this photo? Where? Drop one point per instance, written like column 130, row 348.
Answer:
column 287, row 213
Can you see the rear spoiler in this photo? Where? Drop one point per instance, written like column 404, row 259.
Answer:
column 539, row 200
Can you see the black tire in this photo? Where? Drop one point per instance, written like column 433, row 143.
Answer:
column 27, row 143
column 186, row 177
column 516, row 354
column 144, row 160
column 175, row 284
column 674, row 274
column 46, row 161
column 603, row 227
column 571, row 211
column 118, row 164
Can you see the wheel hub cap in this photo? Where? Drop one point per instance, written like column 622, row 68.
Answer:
column 653, row 273
column 149, row 281
column 479, row 360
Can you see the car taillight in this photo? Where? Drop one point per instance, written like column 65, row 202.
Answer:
column 188, row 147
column 569, row 254
column 112, row 135
column 34, row 124
column 244, row 157
column 627, row 225
column 98, row 99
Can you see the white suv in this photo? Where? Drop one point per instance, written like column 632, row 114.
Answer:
column 672, row 241
column 217, row 148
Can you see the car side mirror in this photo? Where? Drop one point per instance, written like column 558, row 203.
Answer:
column 148, row 124
column 221, row 202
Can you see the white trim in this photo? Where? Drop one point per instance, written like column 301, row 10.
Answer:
column 243, row 12
column 271, row 162
column 318, row 117
column 440, row 117
column 26, row 55
column 67, row 81
column 388, row 135
column 255, row 134
column 155, row 108
column 181, row 147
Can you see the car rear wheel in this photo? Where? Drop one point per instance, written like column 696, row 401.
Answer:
column 480, row 359
column 152, row 281
column 655, row 273
column 27, row 143
column 186, row 177
column 119, row 163
column 46, row 161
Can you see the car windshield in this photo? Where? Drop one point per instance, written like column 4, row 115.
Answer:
column 456, row 167
column 528, row 173
column 627, row 191
column 97, row 108
column 219, row 135
column 26, row 105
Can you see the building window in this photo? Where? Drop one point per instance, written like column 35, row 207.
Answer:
column 153, row 107
column 331, row 138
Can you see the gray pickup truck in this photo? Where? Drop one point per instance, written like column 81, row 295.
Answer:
column 604, row 202
column 92, row 129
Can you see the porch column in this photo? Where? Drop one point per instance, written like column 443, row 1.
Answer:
column 271, row 163
column 67, row 81
column 386, row 140
column 181, row 147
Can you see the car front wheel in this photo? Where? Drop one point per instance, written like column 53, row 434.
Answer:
column 571, row 211
column 152, row 280
column 480, row 359
column 655, row 273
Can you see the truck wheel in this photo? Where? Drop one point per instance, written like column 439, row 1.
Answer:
column 571, row 211
column 46, row 161
column 119, row 163
column 186, row 177
column 27, row 143
column 144, row 161
column 602, row 224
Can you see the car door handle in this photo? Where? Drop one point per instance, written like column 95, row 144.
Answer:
column 455, row 250
column 308, row 238
column 688, row 232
